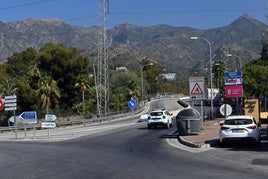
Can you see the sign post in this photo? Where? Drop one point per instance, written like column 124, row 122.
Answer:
column 50, row 124
column 233, row 86
column 196, row 90
column 11, row 105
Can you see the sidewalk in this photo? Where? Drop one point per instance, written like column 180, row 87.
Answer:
column 208, row 136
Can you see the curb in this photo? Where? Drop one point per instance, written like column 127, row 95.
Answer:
column 197, row 145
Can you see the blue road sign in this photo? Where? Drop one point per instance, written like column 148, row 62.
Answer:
column 132, row 103
column 28, row 115
column 235, row 74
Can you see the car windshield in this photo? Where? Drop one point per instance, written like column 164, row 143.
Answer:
column 238, row 121
column 156, row 113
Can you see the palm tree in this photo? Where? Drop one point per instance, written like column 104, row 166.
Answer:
column 134, row 91
column 8, row 87
column 218, row 71
column 48, row 91
column 83, row 84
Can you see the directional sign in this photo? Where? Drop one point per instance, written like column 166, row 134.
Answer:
column 236, row 74
column 28, row 115
column 11, row 103
column 50, row 117
column 132, row 103
column 233, row 81
column 18, row 119
column 48, row 124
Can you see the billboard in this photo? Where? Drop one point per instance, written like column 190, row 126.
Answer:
column 235, row 91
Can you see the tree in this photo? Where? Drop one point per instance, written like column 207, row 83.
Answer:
column 255, row 82
column 218, row 71
column 8, row 87
column 83, row 84
column 64, row 65
column 48, row 91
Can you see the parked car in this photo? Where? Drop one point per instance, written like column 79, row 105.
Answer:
column 240, row 128
column 160, row 117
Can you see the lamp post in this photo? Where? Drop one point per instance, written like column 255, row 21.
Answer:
column 240, row 65
column 211, row 78
column 149, row 64
column 231, row 55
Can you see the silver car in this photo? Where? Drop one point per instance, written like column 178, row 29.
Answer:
column 240, row 128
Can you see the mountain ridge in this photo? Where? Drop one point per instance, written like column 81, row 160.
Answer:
column 170, row 46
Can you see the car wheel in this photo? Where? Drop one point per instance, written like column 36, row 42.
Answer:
column 221, row 144
column 167, row 126
column 258, row 142
column 149, row 126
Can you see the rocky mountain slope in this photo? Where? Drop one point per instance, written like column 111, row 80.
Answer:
column 169, row 46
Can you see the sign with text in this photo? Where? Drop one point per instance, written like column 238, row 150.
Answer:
column 234, row 91
column 28, row 115
column 48, row 124
column 196, row 86
column 10, row 103
column 233, row 81
column 235, row 74
column 50, row 117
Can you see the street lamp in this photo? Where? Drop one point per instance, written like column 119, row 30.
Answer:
column 149, row 64
column 210, row 63
column 231, row 55
column 240, row 65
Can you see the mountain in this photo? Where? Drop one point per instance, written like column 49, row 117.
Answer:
column 169, row 46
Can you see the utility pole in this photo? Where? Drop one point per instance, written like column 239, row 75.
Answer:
column 102, row 75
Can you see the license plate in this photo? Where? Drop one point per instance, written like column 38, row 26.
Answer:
column 237, row 131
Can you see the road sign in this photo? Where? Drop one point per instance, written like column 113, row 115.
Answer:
column 48, row 124
column 1, row 104
column 236, row 74
column 11, row 103
column 196, row 86
column 28, row 115
column 226, row 110
column 10, row 97
column 50, row 117
column 235, row 91
column 132, row 103
column 197, row 90
column 18, row 119
column 233, row 81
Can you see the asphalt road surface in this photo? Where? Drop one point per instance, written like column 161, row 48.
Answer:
column 126, row 149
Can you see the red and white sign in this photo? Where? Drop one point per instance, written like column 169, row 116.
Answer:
column 196, row 85
column 1, row 104
column 234, row 91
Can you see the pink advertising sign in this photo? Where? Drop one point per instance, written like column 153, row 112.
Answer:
column 234, row 91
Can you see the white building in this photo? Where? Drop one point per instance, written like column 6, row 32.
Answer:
column 169, row 76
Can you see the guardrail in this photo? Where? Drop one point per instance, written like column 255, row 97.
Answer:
column 125, row 116
column 79, row 121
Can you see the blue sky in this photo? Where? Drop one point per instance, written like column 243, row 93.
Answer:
column 200, row 14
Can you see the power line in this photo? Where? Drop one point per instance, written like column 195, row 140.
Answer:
column 25, row 4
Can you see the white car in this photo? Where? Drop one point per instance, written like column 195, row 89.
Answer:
column 240, row 127
column 160, row 117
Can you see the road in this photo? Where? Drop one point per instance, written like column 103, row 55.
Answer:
column 126, row 149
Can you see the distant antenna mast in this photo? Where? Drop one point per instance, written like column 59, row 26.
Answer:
column 102, row 72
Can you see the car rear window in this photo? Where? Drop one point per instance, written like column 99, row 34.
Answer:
column 156, row 114
column 238, row 121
